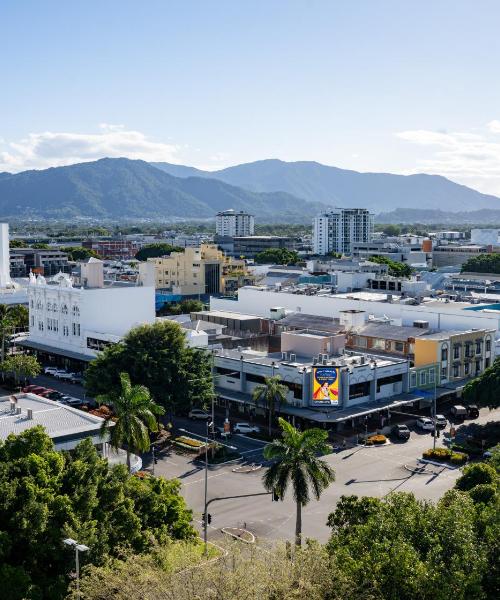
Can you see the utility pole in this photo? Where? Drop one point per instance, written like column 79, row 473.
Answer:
column 205, row 515
column 434, row 410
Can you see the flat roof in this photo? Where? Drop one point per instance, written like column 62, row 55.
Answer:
column 58, row 419
column 224, row 314
column 391, row 332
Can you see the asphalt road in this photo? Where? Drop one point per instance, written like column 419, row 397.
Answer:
column 373, row 471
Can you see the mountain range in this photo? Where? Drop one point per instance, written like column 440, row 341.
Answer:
column 272, row 190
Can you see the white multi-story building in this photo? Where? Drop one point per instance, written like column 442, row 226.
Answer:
column 485, row 237
column 77, row 322
column 337, row 229
column 234, row 224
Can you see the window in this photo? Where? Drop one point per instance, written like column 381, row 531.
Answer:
column 39, row 305
column 96, row 344
column 32, row 321
column 478, row 346
column 478, row 366
column 486, row 363
column 466, row 368
column 228, row 372
column 32, row 304
column 444, row 373
column 444, row 353
column 432, row 376
column 358, row 390
column 423, row 378
column 49, row 306
column 399, row 346
column 76, row 311
column 388, row 381
column 76, row 329
column 468, row 349
column 54, row 307
column 456, row 351
column 359, row 342
column 456, row 371
column 65, row 331
column 488, row 345
column 64, row 309
column 413, row 379
column 40, row 325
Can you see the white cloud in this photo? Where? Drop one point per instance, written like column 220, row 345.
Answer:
column 469, row 158
column 50, row 149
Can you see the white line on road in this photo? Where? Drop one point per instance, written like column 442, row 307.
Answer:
column 203, row 479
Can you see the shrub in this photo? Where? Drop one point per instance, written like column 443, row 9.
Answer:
column 437, row 454
column 458, row 458
column 377, row 439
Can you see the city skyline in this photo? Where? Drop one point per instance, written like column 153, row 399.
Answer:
column 372, row 87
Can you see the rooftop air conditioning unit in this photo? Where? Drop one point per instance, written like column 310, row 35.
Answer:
column 325, row 362
column 29, row 414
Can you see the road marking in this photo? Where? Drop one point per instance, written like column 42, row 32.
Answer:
column 203, row 479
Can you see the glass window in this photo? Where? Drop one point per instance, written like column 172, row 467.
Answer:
column 423, row 378
column 444, row 353
column 488, row 345
column 456, row 351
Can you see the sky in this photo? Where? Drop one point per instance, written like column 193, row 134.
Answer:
column 400, row 86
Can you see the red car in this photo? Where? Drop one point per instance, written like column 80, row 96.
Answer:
column 45, row 393
column 34, row 389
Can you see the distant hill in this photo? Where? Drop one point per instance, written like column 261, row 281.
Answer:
column 380, row 192
column 119, row 188
column 485, row 217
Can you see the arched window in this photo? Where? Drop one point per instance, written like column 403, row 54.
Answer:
column 39, row 305
column 54, row 307
column 64, row 309
column 49, row 306
column 76, row 311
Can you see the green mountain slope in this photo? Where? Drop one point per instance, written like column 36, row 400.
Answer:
column 128, row 189
column 378, row 192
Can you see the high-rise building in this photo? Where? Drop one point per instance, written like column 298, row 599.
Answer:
column 337, row 229
column 234, row 224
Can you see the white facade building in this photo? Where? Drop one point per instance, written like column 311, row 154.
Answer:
column 485, row 237
column 234, row 224
column 82, row 321
column 337, row 229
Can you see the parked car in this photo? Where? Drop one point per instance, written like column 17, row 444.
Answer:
column 33, row 389
column 198, row 414
column 472, row 411
column 458, row 411
column 245, row 428
column 425, row 423
column 45, row 393
column 441, row 422
column 401, row 432
column 64, row 399
column 65, row 376
column 58, row 373
column 55, row 395
column 50, row 370
column 77, row 379
column 75, row 402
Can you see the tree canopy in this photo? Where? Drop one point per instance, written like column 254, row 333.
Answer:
column 396, row 269
column 186, row 306
column 47, row 495
column 156, row 250
column 79, row 253
column 278, row 256
column 157, row 357
column 485, row 389
column 483, row 263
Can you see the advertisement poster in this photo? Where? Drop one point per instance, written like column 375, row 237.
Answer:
column 325, row 386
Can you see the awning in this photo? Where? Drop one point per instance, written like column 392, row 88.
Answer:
column 53, row 350
column 331, row 415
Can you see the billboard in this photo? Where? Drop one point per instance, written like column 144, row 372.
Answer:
column 325, row 389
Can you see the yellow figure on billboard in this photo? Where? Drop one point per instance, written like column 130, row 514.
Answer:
column 325, row 385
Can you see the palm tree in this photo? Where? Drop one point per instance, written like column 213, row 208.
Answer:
column 273, row 393
column 296, row 461
column 134, row 417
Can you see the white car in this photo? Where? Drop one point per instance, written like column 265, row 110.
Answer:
column 245, row 428
column 59, row 373
column 425, row 423
column 50, row 370
column 198, row 414
column 65, row 376
column 441, row 421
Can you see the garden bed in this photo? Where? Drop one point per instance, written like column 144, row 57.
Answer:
column 445, row 455
column 188, row 443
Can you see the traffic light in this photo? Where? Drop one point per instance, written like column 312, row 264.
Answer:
column 209, row 518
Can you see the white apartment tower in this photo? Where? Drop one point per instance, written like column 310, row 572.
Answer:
column 337, row 229
column 234, row 224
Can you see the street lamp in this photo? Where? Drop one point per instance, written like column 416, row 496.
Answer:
column 78, row 548
column 205, row 515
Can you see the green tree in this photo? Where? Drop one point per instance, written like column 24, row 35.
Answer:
column 134, row 417
column 47, row 495
column 396, row 269
column 391, row 230
column 157, row 357
column 40, row 246
column 22, row 366
column 156, row 250
column 295, row 461
column 476, row 474
column 273, row 394
column 77, row 253
column 17, row 244
column 13, row 317
column 279, row 256
column 483, row 263
column 485, row 389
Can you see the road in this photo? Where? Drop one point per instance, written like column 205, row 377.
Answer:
column 373, row 471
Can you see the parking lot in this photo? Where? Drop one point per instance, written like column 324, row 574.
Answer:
column 374, row 471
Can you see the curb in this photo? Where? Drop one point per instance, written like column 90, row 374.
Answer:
column 250, row 469
column 226, row 531
column 418, row 471
column 438, row 464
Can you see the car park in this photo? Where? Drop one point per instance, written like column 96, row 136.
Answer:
column 401, row 432
column 198, row 414
column 441, row 421
column 425, row 423
column 245, row 428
